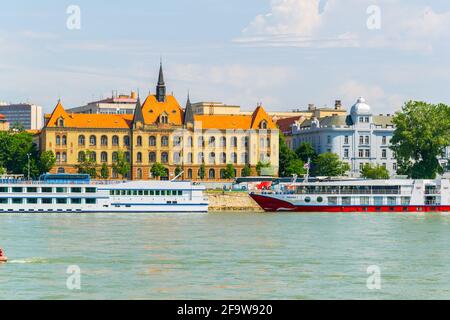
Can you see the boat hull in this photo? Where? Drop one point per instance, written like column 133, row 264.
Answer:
column 271, row 204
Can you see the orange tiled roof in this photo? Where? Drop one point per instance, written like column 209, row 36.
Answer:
column 2, row 117
column 152, row 109
column 285, row 124
column 80, row 120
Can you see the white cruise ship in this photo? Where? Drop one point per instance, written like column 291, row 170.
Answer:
column 77, row 193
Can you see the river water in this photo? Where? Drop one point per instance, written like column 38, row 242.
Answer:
column 225, row 256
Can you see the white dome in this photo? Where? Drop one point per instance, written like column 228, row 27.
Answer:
column 361, row 107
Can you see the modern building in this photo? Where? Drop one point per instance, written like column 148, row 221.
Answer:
column 4, row 125
column 117, row 104
column 358, row 138
column 202, row 145
column 25, row 114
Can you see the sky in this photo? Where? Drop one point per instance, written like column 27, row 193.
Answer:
column 284, row 54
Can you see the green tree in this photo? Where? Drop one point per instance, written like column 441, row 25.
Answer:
column 422, row 132
column 17, row 127
column 246, row 171
column 228, row 172
column 121, row 165
column 306, row 152
column 87, row 165
column 374, row 172
column 158, row 170
column 328, row 165
column 262, row 165
column 104, row 172
column 47, row 161
column 296, row 166
column 202, row 171
column 178, row 170
column 286, row 156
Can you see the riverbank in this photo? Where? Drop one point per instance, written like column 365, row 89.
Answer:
column 231, row 201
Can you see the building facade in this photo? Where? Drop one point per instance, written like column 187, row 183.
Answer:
column 357, row 138
column 117, row 104
column 161, row 131
column 25, row 114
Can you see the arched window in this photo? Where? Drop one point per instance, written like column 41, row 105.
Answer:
column 189, row 141
column 200, row 157
column 223, row 142
column 126, row 141
column 115, row 155
column 81, row 156
column 189, row 158
column 93, row 156
column 64, row 157
column 115, row 141
column 152, row 157
column 139, row 157
column 139, row 141
column 262, row 142
column 222, row 173
column 212, row 174
column 189, row 173
column 104, row 156
column 233, row 142
column 245, row 142
column 104, row 140
column 61, row 122
column 81, row 140
column 164, row 141
column 268, row 143
column 58, row 140
column 263, row 124
column 64, row 140
column 61, row 170
column 139, row 173
column 92, row 140
column 58, row 157
column 212, row 158
column 244, row 157
column 223, row 157
column 152, row 141
column 164, row 157
column 114, row 173
column 163, row 119
column 176, row 141
column 127, row 156
column 234, row 157
column 212, row 142
column 200, row 142
column 176, row 157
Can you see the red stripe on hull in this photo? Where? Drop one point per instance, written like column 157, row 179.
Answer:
column 270, row 204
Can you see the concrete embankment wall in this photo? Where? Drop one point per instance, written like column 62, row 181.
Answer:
column 231, row 201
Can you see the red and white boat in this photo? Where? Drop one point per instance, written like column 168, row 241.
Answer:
column 397, row 195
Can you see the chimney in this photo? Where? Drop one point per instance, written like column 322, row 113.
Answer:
column 338, row 105
column 133, row 95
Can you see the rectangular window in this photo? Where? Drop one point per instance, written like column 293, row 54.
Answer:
column 406, row 201
column 31, row 190
column 384, row 153
column 17, row 189
column 152, row 192
column 135, row 192
column 123, row 192
column 32, row 200
column 345, row 153
column 361, row 139
column 163, row 192
column 367, row 153
column 141, row 192
column 3, row 200
column 157, row 192
column 180, row 192
column 91, row 190
column 366, row 140
column 384, row 140
column 61, row 190
column 378, row 201
column 75, row 190
column 75, row 201
column 329, row 139
column 332, row 201
column 91, row 201
column 361, row 153
column 394, row 166
column 129, row 192
column 47, row 190
column 61, row 200
column 4, row 189
column 46, row 200
column 346, row 140
column 364, row 201
column 391, row 201
column 17, row 200
column 346, row 201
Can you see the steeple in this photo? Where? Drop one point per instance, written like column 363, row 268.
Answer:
column 138, row 116
column 188, row 112
column 161, row 86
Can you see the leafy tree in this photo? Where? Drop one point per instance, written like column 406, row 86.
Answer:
column 296, row 166
column 2, row 170
column 158, row 170
column 328, row 165
column 286, row 156
column 121, row 165
column 306, row 152
column 246, row 171
column 17, row 127
column 374, row 172
column 47, row 161
column 87, row 165
column 421, row 135
column 104, row 172
column 229, row 172
column 262, row 165
column 202, row 171
column 178, row 170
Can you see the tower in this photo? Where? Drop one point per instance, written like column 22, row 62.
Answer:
column 161, row 86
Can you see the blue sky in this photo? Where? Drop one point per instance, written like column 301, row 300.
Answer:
column 283, row 53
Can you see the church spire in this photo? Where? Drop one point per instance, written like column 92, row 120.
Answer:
column 188, row 112
column 161, row 86
column 138, row 116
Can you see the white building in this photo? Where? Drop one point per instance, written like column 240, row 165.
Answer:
column 358, row 138
column 28, row 115
column 117, row 104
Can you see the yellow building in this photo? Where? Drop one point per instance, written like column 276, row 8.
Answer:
column 4, row 125
column 161, row 131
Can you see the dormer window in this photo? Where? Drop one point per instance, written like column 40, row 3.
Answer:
column 263, row 124
column 60, row 122
column 164, row 119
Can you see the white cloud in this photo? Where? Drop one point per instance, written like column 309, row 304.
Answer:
column 343, row 23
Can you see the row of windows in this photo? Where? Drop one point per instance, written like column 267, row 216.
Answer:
column 129, row 192
column 47, row 190
column 377, row 201
column 48, row 200
column 384, row 164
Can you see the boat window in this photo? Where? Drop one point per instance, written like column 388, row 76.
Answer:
column 32, row 200
column 3, row 200
column 4, row 189
column 307, row 199
column 145, row 192
column 117, row 192
column 406, row 201
column 135, row 192
column 31, row 190
column 378, row 201
column 141, row 192
column 47, row 190
column 91, row 190
column 364, row 201
column 75, row 190
column 346, row 200
column 152, row 192
column 17, row 189
column 123, row 192
column 111, row 192
column 75, row 200
column 392, row 201
column 157, row 192
column 180, row 193
column 332, row 200
column 91, row 201
column 17, row 200
column 61, row 190
column 61, row 200
column 129, row 192
column 46, row 200
column 319, row 199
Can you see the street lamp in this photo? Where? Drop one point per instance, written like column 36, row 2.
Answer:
column 28, row 155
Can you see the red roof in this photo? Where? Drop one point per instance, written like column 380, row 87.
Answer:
column 285, row 125
column 2, row 117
